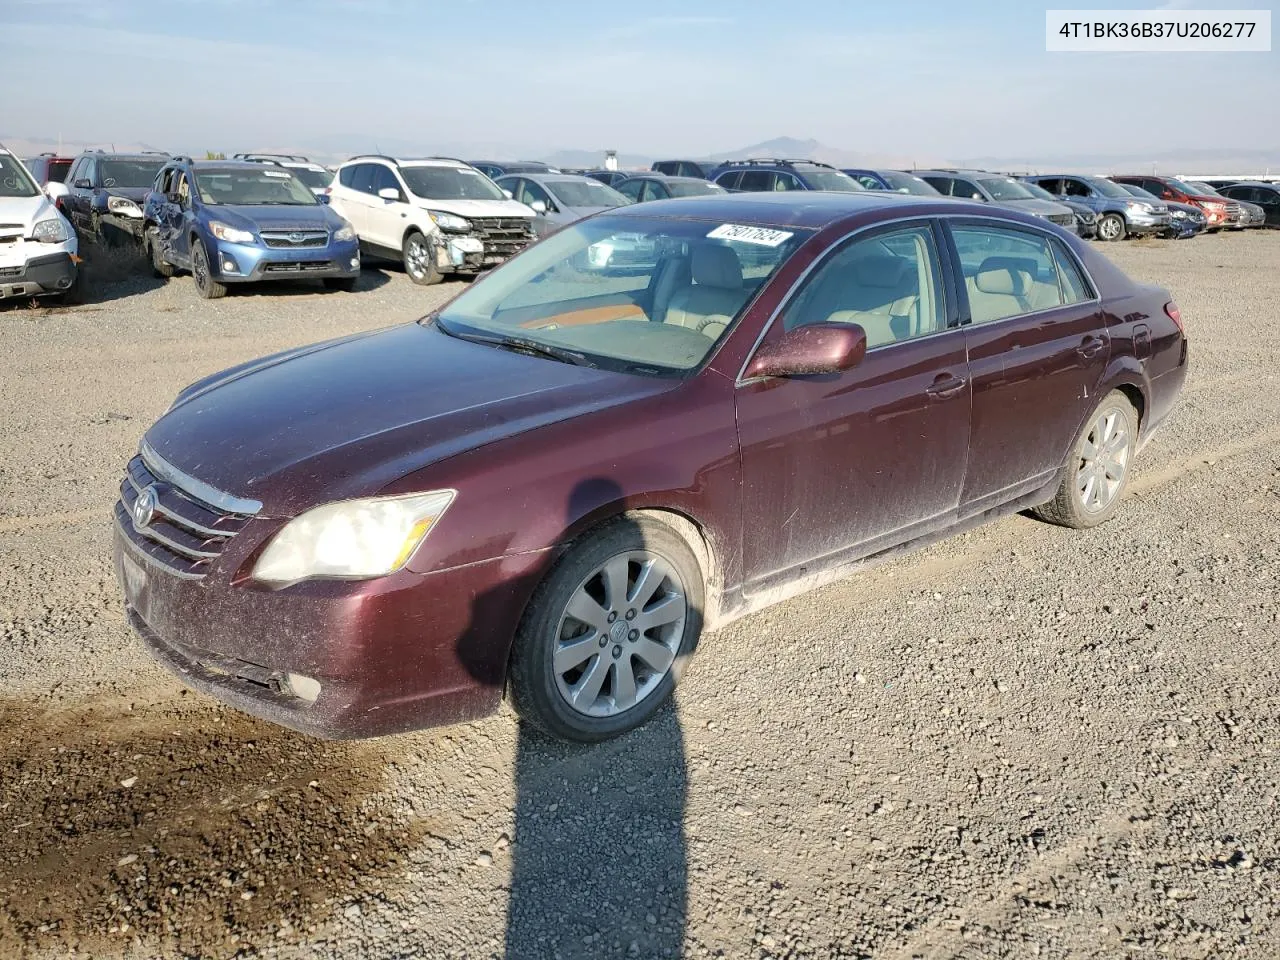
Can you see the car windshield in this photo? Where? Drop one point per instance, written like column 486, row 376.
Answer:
column 1107, row 188
column 1136, row 191
column 253, row 186
column 1201, row 187
column 585, row 193
column 692, row 188
column 315, row 179
column 649, row 295
column 907, row 183
column 14, row 179
column 1039, row 192
column 1184, row 187
column 1006, row 188
column 450, row 183
column 831, row 180
column 129, row 173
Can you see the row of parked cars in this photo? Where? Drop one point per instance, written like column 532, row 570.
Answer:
column 259, row 217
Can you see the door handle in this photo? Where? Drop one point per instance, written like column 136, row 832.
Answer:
column 946, row 385
column 1090, row 347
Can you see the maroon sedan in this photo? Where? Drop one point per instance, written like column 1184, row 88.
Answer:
column 653, row 422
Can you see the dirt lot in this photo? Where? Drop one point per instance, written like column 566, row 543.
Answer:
column 1023, row 742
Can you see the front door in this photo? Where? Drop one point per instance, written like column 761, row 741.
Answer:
column 1038, row 347
column 386, row 218
column 842, row 465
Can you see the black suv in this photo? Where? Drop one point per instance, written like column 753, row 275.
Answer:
column 105, row 192
column 768, row 174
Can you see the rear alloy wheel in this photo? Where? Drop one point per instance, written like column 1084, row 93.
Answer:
column 1111, row 226
column 206, row 286
column 1098, row 471
column 420, row 260
column 601, row 646
column 159, row 266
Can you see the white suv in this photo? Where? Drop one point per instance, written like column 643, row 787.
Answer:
column 438, row 216
column 37, row 245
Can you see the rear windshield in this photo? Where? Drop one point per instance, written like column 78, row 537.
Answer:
column 57, row 171
column 585, row 193
column 129, row 173
column 907, row 183
column 14, row 179
column 1005, row 188
column 831, row 180
column 315, row 179
column 450, row 183
column 254, row 187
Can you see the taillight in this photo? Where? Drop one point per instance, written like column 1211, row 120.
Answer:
column 1175, row 315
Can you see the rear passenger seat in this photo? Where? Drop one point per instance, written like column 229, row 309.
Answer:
column 1008, row 286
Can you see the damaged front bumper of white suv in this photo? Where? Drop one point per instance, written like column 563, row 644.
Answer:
column 38, row 259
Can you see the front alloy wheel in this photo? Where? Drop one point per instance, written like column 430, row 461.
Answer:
column 1111, row 227
column 600, row 648
column 420, row 260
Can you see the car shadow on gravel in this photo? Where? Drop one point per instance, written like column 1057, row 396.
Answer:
column 175, row 830
column 599, row 862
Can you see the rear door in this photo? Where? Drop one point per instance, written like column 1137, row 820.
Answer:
column 846, row 464
column 1038, row 346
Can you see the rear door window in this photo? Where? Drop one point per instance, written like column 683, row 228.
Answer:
column 654, row 190
column 1007, row 272
column 756, row 180
column 730, row 180
column 631, row 188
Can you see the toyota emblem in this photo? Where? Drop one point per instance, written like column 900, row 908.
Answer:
column 144, row 508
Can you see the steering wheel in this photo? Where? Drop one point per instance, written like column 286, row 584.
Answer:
column 705, row 322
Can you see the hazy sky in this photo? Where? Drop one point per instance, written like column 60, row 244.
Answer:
column 648, row 76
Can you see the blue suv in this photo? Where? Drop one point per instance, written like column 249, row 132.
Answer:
column 235, row 221
column 753, row 176
column 1119, row 213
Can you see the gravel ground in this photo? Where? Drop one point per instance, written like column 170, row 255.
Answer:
column 1023, row 742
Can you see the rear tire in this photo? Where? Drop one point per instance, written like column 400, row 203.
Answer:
column 640, row 589
column 420, row 260
column 1111, row 227
column 206, row 286
column 1097, row 472
column 159, row 266
column 345, row 284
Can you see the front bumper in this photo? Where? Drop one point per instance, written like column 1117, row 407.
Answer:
column 40, row 276
column 391, row 654
column 251, row 263
column 1144, row 224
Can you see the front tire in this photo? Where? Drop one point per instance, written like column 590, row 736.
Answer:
column 206, row 286
column 1098, row 471
column 605, row 636
column 1111, row 227
column 419, row 260
column 159, row 266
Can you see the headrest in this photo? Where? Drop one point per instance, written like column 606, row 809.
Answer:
column 1010, row 276
column 716, row 266
column 879, row 270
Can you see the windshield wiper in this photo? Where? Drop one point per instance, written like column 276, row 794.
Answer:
column 524, row 345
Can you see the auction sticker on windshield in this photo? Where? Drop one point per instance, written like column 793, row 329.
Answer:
column 758, row 235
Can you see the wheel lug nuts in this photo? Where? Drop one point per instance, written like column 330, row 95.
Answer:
column 612, row 616
column 617, row 652
column 631, row 614
column 633, row 636
column 604, row 641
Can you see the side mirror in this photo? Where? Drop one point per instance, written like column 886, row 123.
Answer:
column 55, row 191
column 813, row 349
column 538, row 206
column 82, row 184
column 508, row 194
column 389, row 193
column 323, row 197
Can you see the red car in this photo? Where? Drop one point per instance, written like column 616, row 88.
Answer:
column 655, row 421
column 1219, row 211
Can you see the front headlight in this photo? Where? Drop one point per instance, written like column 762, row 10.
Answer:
column 449, row 221
column 347, row 232
column 353, row 539
column 123, row 206
column 230, row 234
column 1137, row 208
column 53, row 230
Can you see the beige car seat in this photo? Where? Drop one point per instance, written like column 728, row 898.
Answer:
column 710, row 303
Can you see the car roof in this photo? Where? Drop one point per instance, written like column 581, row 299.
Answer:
column 666, row 177
column 539, row 177
column 812, row 209
column 229, row 165
column 127, row 155
column 1250, row 183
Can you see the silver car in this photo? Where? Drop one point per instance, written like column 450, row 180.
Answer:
column 559, row 199
column 1000, row 189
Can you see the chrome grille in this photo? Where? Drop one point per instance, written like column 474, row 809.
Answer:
column 185, row 534
column 295, row 239
column 7, row 272
column 298, row 266
column 1063, row 219
column 502, row 237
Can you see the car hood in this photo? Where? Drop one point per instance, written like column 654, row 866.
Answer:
column 136, row 194
column 1035, row 205
column 276, row 216
column 25, row 211
column 345, row 418
column 479, row 208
